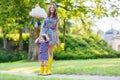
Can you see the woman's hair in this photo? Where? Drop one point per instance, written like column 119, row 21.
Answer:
column 54, row 13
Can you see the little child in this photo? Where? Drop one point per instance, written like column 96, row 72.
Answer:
column 43, row 42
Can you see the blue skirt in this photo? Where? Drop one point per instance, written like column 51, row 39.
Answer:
column 43, row 56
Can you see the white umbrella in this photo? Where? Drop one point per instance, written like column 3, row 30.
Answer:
column 38, row 12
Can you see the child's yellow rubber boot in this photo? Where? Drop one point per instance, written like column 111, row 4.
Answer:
column 41, row 70
column 50, row 59
column 45, row 70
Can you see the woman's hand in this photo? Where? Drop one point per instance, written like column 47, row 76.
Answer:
column 36, row 17
column 57, row 44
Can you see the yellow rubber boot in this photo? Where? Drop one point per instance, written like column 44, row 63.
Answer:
column 50, row 59
column 41, row 70
column 45, row 70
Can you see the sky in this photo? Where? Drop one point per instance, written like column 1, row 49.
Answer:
column 107, row 23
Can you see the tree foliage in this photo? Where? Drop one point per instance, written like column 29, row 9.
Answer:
column 14, row 14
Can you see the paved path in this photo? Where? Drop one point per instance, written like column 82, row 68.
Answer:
column 71, row 76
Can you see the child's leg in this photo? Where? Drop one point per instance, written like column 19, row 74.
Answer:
column 45, row 67
column 41, row 67
column 45, row 63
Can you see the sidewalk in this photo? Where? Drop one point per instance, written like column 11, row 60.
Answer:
column 71, row 76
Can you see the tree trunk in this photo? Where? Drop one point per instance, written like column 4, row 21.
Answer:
column 64, row 31
column 4, row 41
column 20, row 40
column 33, row 48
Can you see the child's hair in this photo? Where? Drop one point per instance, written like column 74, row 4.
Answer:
column 45, row 37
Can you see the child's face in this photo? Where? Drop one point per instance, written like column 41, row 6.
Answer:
column 42, row 39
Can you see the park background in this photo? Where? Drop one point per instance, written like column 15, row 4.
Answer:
column 80, row 45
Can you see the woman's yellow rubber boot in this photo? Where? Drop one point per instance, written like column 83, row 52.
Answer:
column 41, row 70
column 50, row 59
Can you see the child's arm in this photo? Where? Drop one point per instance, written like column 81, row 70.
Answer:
column 37, row 40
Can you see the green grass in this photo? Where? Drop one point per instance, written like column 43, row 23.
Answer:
column 93, row 67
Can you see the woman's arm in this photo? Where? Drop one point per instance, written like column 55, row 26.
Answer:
column 57, row 34
column 42, row 28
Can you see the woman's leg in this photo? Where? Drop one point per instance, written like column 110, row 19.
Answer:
column 50, row 50
column 50, row 57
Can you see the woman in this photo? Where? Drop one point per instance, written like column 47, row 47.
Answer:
column 50, row 27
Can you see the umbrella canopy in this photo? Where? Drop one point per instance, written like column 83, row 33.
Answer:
column 38, row 12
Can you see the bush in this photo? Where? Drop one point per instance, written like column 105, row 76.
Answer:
column 76, row 47
column 85, row 48
column 1, row 40
column 4, row 56
column 8, row 57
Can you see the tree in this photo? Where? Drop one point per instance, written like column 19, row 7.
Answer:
column 14, row 14
column 6, row 19
column 34, row 33
column 20, row 14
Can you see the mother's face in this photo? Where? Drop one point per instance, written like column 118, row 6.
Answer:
column 52, row 8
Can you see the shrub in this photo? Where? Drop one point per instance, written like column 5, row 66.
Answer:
column 85, row 48
column 4, row 56
column 76, row 47
column 17, row 55
column 1, row 40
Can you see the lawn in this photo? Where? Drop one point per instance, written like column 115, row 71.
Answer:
column 92, row 66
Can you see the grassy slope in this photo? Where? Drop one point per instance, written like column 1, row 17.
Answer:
column 95, row 66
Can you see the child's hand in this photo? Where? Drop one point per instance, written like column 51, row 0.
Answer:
column 37, row 40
